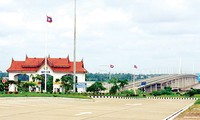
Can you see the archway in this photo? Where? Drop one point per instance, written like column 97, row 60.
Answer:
column 17, row 84
column 49, row 82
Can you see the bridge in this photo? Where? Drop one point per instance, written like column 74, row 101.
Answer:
column 178, row 82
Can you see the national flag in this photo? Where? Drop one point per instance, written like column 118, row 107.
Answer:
column 49, row 19
column 111, row 66
column 135, row 66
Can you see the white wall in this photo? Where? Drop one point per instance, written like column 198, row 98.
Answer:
column 80, row 77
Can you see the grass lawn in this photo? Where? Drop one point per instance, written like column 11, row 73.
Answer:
column 191, row 113
column 33, row 94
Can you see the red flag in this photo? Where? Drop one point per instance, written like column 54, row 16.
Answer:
column 111, row 66
column 49, row 19
column 135, row 66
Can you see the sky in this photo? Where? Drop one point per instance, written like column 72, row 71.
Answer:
column 158, row 36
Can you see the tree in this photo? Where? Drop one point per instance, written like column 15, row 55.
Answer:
column 2, row 86
column 96, row 87
column 115, row 86
column 27, row 84
column 50, row 84
column 67, row 83
column 113, row 81
column 122, row 83
column 41, row 78
column 33, row 77
column 114, row 89
column 192, row 92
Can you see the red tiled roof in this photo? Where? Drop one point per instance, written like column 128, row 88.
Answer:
column 33, row 62
column 56, row 64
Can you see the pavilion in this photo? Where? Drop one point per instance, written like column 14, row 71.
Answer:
column 56, row 67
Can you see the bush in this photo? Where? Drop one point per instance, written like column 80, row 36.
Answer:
column 165, row 91
column 55, row 95
column 191, row 92
column 156, row 93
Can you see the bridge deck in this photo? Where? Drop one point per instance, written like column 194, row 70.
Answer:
column 158, row 80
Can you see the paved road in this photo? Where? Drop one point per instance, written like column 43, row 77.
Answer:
column 97, row 109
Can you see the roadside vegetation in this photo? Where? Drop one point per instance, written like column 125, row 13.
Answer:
column 96, row 89
column 48, row 94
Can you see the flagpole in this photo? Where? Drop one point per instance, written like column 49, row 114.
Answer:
column 135, row 67
column 74, row 70
column 134, row 82
column 109, row 73
column 45, row 61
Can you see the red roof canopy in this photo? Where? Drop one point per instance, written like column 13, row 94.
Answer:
column 56, row 64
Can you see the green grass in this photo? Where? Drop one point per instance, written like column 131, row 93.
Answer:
column 32, row 94
column 197, row 102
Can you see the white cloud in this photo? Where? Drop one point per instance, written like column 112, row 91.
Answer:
column 143, row 32
column 3, row 2
column 179, row 5
column 136, row 30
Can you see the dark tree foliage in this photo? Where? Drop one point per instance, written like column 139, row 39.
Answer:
column 122, row 83
column 96, row 87
column 165, row 91
column 1, row 85
column 50, row 84
column 114, row 89
column 67, row 82
column 192, row 92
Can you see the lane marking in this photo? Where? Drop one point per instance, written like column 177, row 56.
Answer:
column 83, row 113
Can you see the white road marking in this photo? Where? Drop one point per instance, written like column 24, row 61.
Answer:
column 83, row 113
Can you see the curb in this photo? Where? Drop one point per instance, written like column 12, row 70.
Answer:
column 164, row 98
column 172, row 98
column 175, row 114
column 117, row 97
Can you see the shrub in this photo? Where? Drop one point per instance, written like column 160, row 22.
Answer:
column 191, row 92
column 55, row 95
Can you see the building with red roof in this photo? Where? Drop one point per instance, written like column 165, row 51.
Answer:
column 56, row 67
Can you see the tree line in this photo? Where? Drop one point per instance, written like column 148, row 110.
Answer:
column 102, row 77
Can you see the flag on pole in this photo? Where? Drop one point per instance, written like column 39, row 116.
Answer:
column 135, row 66
column 49, row 19
column 111, row 66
